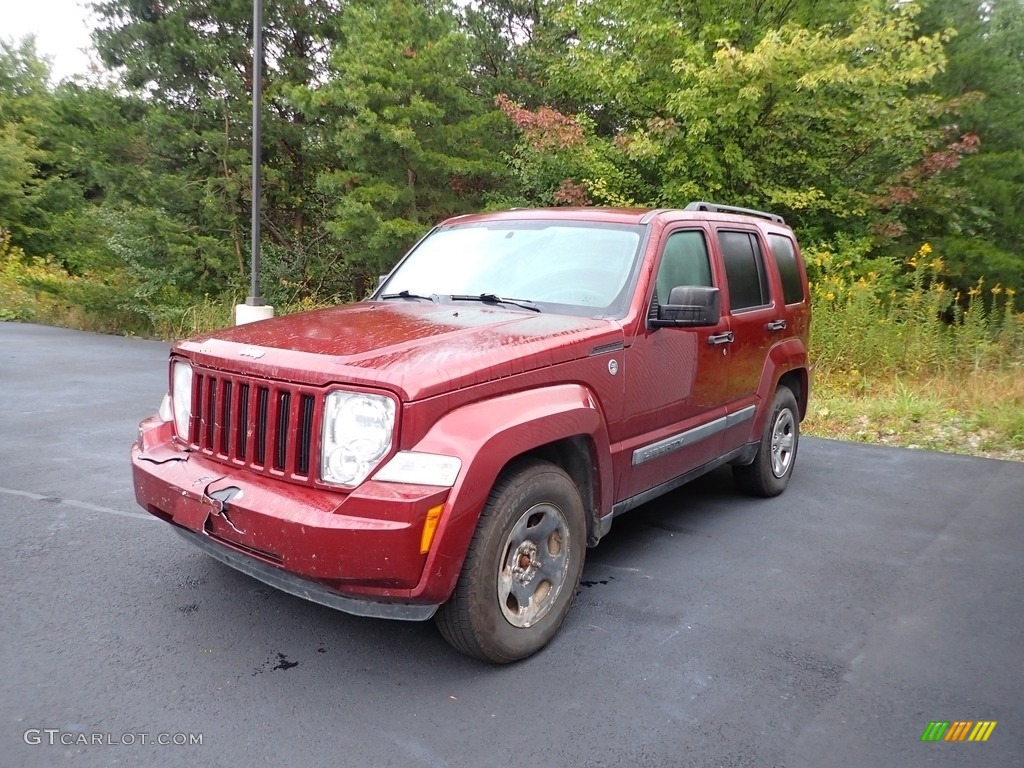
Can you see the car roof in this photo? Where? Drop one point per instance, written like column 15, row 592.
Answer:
column 603, row 215
column 635, row 216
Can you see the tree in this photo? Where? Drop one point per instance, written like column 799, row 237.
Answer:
column 26, row 109
column 819, row 117
column 191, row 61
column 410, row 140
column 986, row 58
column 512, row 45
column 618, row 58
column 43, row 201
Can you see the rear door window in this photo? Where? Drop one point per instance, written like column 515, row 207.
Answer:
column 744, row 270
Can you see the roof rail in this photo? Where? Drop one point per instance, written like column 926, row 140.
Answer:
column 715, row 208
column 646, row 218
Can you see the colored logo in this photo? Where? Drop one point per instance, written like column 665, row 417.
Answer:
column 958, row 730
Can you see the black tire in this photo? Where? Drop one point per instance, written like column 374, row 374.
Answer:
column 531, row 533
column 769, row 473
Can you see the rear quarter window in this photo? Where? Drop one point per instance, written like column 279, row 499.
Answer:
column 789, row 269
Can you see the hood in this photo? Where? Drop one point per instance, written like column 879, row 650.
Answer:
column 415, row 349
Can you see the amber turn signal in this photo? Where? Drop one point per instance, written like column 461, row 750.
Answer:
column 429, row 527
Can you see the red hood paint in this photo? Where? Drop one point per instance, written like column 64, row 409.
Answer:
column 416, row 350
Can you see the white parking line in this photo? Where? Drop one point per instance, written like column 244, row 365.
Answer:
column 74, row 503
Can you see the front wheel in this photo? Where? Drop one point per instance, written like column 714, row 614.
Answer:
column 522, row 568
column 771, row 469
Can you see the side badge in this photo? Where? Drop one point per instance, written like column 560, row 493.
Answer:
column 613, row 367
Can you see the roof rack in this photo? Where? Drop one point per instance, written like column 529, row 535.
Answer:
column 715, row 208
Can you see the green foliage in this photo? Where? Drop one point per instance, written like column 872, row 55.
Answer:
column 34, row 192
column 987, row 58
column 190, row 64
column 810, row 122
column 409, row 141
column 511, row 44
column 16, row 303
column 39, row 289
column 559, row 160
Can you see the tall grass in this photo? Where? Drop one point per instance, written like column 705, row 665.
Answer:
column 900, row 358
column 866, row 323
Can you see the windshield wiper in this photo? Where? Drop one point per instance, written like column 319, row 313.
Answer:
column 491, row 298
column 406, row 295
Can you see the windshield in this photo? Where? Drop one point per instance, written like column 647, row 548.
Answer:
column 578, row 267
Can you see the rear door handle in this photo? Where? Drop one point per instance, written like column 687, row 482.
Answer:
column 776, row 325
column 721, row 338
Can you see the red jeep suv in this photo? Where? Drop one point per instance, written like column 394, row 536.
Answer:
column 453, row 444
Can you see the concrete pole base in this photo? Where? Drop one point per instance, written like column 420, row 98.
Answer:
column 245, row 313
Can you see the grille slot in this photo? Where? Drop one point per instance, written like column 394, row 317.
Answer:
column 262, row 396
column 211, row 409
column 281, row 443
column 225, row 418
column 240, row 430
column 305, row 433
column 265, row 426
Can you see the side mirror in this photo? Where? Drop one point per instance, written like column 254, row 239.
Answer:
column 689, row 306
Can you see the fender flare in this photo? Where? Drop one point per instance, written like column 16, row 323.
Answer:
column 786, row 356
column 486, row 436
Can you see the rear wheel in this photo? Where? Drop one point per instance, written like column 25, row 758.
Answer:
column 522, row 568
column 771, row 469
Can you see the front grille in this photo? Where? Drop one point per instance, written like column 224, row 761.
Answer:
column 262, row 425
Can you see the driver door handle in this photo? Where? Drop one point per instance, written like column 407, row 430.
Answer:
column 721, row 338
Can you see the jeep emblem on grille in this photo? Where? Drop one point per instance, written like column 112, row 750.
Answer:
column 252, row 352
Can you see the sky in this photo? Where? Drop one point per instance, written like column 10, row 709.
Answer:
column 61, row 28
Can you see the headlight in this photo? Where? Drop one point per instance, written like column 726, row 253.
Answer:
column 181, row 397
column 357, row 432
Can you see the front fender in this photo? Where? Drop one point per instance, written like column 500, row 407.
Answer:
column 486, row 436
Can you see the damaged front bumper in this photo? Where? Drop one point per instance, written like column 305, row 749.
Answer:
column 358, row 552
column 307, row 590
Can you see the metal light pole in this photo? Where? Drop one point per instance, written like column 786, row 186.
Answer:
column 253, row 309
column 257, row 175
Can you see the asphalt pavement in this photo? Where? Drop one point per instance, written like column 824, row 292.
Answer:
column 827, row 627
